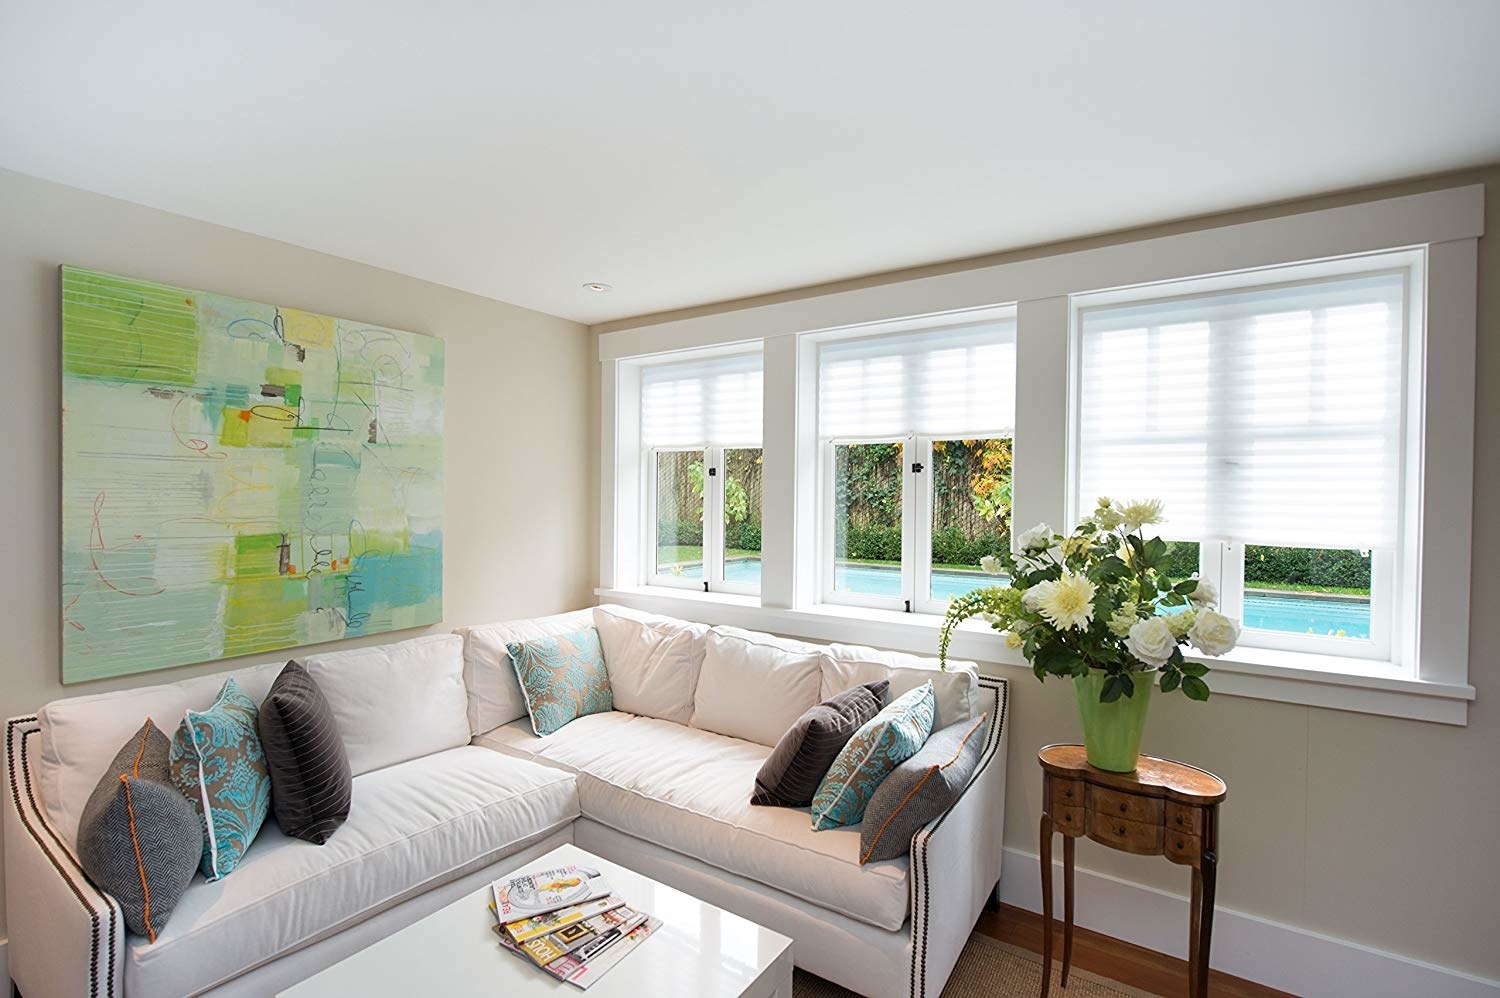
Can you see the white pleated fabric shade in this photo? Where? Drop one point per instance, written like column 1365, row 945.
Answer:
column 936, row 382
column 695, row 403
column 1263, row 416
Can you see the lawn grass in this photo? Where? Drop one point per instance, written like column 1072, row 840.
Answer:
column 1298, row 587
column 672, row 554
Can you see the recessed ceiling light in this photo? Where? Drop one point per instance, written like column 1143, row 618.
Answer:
column 597, row 288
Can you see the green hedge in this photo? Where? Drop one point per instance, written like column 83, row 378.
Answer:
column 951, row 546
column 1304, row 567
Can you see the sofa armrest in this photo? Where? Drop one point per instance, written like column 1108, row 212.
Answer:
column 67, row 937
column 955, row 860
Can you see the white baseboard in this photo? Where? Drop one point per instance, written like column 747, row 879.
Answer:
column 1256, row 949
column 5, row 966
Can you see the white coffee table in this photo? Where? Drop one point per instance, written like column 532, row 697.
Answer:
column 699, row 952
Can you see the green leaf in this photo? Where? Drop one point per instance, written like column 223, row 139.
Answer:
column 1170, row 680
column 1186, row 586
column 1111, row 691
column 1195, row 688
column 1110, row 569
column 1127, row 685
column 1154, row 551
column 1195, row 669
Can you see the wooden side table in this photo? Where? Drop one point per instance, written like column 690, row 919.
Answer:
column 1163, row 808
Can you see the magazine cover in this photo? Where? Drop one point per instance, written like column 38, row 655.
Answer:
column 581, row 939
column 537, row 892
column 600, row 963
column 541, row 925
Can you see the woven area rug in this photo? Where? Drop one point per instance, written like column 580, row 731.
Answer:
column 989, row 968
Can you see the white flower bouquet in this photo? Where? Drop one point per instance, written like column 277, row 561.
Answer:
column 1097, row 599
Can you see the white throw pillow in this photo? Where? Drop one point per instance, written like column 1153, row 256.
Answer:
column 957, row 689
column 753, row 686
column 495, row 696
column 653, row 661
column 395, row 702
column 80, row 735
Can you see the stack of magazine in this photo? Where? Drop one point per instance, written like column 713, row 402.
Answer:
column 566, row 921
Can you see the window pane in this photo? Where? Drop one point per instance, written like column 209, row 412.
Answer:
column 679, row 514
column 1308, row 591
column 742, row 516
column 867, row 518
column 970, row 512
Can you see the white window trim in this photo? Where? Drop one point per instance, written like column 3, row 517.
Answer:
column 1447, row 223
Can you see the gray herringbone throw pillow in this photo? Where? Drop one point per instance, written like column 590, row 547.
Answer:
column 139, row 839
column 311, row 786
column 920, row 789
column 791, row 773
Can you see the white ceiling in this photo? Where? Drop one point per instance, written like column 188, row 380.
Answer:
column 688, row 151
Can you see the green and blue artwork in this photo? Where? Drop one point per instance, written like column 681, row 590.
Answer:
column 240, row 477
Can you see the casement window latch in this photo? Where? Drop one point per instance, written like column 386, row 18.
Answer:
column 916, row 467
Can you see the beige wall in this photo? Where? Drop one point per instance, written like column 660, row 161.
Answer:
column 520, row 456
column 1370, row 829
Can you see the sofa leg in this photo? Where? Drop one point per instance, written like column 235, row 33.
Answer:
column 992, row 903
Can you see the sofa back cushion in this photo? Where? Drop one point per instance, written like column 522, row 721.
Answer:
column 653, row 661
column 956, row 690
column 494, row 693
column 755, row 686
column 395, row 702
column 81, row 735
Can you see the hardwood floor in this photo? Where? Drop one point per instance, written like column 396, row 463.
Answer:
column 1109, row 957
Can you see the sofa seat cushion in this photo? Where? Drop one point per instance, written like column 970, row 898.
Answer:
column 412, row 827
column 689, row 790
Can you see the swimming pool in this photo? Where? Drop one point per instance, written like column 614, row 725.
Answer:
column 1263, row 611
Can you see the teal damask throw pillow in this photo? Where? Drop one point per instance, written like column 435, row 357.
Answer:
column 563, row 678
column 880, row 745
column 218, row 764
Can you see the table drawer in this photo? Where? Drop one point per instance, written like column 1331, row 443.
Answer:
column 1185, row 819
column 1134, row 807
column 1067, row 792
column 1122, row 833
column 1183, row 848
column 1068, row 819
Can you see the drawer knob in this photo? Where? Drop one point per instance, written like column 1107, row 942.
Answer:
column 1124, row 807
column 1179, row 819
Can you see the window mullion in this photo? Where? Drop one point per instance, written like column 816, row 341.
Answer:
column 713, row 517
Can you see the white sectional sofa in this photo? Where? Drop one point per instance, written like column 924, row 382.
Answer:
column 452, row 788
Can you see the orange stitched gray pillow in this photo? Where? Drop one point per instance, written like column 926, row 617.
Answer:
column 796, row 766
column 139, row 839
column 920, row 789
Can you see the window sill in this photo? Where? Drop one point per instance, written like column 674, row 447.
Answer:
column 1359, row 685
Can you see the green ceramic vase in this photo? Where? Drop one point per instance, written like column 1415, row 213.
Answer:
column 1112, row 731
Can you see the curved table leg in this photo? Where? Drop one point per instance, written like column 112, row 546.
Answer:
column 1046, row 856
column 1205, row 927
column 1067, row 907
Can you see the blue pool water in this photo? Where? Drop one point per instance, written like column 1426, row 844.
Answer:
column 1263, row 611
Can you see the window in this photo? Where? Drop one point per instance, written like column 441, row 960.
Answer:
column 700, row 430
column 914, row 431
column 1270, row 419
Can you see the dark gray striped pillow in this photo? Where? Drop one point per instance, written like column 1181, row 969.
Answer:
column 796, row 766
column 311, row 788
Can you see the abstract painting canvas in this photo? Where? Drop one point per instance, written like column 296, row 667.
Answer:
column 240, row 477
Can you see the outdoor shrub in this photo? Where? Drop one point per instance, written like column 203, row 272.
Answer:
column 1273, row 566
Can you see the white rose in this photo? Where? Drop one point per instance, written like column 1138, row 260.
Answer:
column 991, row 565
column 1213, row 633
column 1035, row 539
column 1151, row 641
column 1205, row 594
column 1032, row 597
